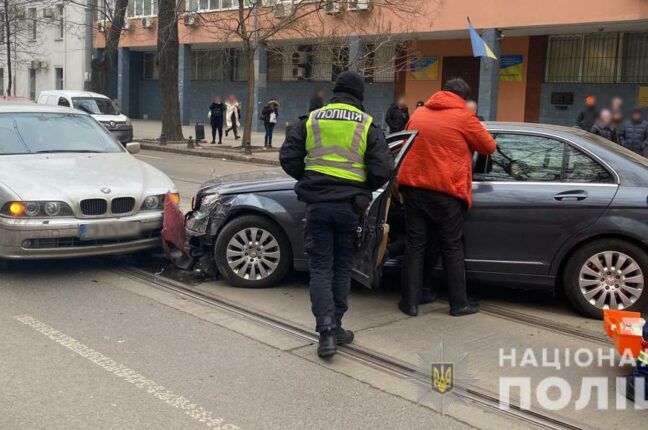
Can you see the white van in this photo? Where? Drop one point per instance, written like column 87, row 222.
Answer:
column 99, row 106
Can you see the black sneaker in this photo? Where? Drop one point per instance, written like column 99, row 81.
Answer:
column 327, row 344
column 343, row 336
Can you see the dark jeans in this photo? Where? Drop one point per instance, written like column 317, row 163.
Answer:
column 267, row 140
column 329, row 243
column 217, row 125
column 434, row 220
column 233, row 127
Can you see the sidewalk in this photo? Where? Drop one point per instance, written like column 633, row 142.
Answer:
column 147, row 133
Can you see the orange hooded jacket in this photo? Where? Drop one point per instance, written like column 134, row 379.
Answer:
column 441, row 156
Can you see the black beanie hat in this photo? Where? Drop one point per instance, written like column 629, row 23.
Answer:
column 351, row 83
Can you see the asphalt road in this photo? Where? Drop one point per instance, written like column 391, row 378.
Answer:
column 85, row 348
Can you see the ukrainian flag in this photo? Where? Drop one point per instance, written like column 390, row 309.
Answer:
column 479, row 47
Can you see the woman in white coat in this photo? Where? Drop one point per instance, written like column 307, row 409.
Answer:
column 232, row 115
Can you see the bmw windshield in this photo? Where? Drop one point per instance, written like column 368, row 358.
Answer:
column 32, row 133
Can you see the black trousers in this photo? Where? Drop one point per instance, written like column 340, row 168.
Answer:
column 329, row 242
column 434, row 221
column 217, row 125
column 234, row 128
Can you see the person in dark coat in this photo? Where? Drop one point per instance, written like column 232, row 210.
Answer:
column 397, row 116
column 216, row 117
column 317, row 101
column 589, row 115
column 269, row 116
column 604, row 126
column 634, row 132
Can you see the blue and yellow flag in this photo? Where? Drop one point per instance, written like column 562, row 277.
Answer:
column 479, row 47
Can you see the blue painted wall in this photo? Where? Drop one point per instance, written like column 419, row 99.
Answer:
column 603, row 92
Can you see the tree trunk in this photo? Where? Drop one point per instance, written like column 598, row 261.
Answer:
column 167, row 57
column 8, row 46
column 249, row 105
column 102, row 66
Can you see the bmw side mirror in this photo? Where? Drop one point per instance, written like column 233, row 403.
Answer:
column 133, row 147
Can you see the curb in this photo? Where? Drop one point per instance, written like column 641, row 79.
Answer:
column 210, row 154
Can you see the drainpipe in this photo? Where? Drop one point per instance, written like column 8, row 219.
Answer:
column 89, row 46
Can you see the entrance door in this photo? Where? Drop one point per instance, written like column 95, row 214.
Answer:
column 466, row 68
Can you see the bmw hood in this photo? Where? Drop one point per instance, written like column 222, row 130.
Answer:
column 71, row 177
column 249, row 182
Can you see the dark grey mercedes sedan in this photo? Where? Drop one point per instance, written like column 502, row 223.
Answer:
column 554, row 207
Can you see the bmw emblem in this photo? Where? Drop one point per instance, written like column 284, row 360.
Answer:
column 112, row 124
column 106, row 190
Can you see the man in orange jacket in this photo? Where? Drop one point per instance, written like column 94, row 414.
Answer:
column 435, row 180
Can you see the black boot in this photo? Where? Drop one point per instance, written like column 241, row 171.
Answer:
column 327, row 344
column 410, row 310
column 343, row 336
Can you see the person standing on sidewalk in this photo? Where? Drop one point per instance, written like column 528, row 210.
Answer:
column 338, row 156
column 397, row 115
column 232, row 115
column 317, row 101
column 435, row 180
column 269, row 116
column 216, row 116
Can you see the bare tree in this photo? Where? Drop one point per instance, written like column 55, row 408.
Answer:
column 167, row 57
column 111, row 14
column 266, row 24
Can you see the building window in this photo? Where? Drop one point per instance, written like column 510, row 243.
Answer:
column 59, row 78
column 32, row 84
column 239, row 65
column 634, row 61
column 150, row 68
column 2, row 27
column 2, row 80
column 598, row 58
column 137, row 8
column 379, row 63
column 31, row 14
column 60, row 17
column 207, row 65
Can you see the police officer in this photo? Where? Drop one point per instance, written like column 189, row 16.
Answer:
column 338, row 156
column 639, row 377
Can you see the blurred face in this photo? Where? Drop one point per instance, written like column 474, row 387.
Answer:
column 402, row 102
column 606, row 116
column 637, row 116
column 218, row 99
column 231, row 98
column 320, row 94
column 616, row 103
column 471, row 106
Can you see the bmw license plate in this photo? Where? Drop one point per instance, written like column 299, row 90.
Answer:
column 110, row 230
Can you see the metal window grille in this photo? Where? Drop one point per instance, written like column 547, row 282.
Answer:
column 379, row 64
column 61, row 20
column 33, row 26
column 239, row 63
column 600, row 58
column 634, row 58
column 59, row 78
column 207, row 65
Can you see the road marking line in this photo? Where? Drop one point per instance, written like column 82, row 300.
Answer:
column 159, row 392
column 150, row 156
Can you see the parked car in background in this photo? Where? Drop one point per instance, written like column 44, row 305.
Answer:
column 99, row 106
column 69, row 189
column 554, row 207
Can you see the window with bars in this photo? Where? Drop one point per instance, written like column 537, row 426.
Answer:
column 60, row 15
column 207, row 65
column 33, row 29
column 305, row 62
column 634, row 59
column 150, row 68
column 598, row 58
column 239, row 65
column 379, row 63
column 59, row 78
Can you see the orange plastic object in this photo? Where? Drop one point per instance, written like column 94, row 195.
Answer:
column 622, row 337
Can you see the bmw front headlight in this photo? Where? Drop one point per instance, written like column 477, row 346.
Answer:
column 36, row 209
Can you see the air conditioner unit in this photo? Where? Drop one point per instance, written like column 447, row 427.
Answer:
column 283, row 9
column 358, row 5
column 333, row 7
column 147, row 22
column 191, row 19
column 48, row 13
column 101, row 26
column 44, row 65
column 35, row 65
column 129, row 25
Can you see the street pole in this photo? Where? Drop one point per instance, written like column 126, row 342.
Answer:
column 247, row 145
column 89, row 45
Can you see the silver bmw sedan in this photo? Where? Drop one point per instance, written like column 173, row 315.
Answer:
column 68, row 189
